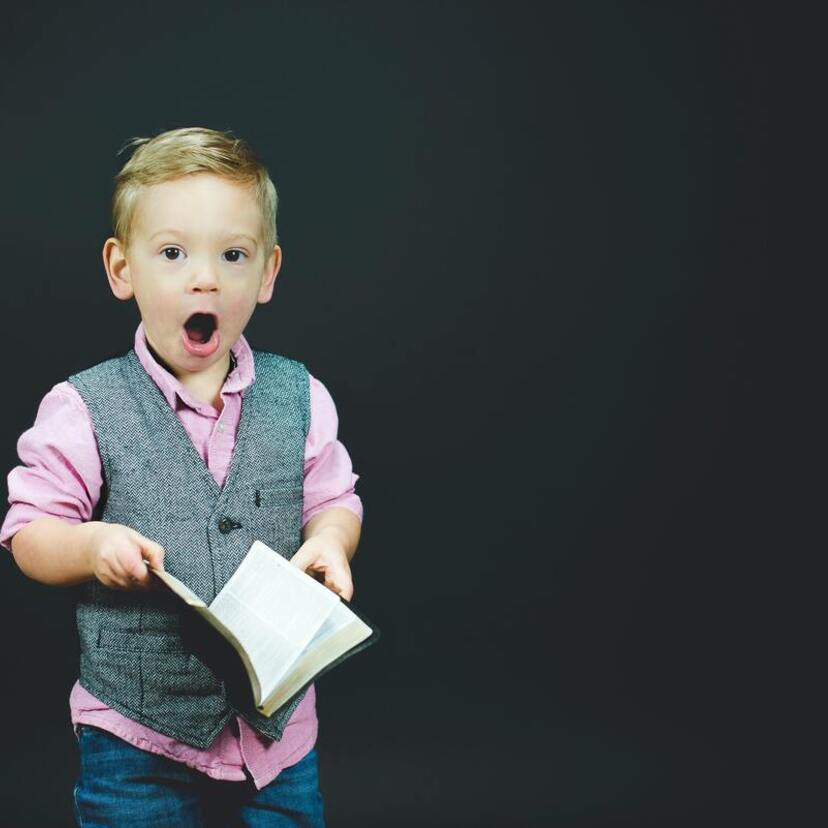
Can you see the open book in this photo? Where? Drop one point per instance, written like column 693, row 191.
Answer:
column 286, row 626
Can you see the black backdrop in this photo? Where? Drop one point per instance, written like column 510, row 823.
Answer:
column 538, row 255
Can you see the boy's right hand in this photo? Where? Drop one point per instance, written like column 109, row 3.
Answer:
column 116, row 555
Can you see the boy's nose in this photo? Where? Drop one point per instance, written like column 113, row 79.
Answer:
column 204, row 280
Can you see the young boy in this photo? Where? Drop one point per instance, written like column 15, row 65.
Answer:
column 179, row 454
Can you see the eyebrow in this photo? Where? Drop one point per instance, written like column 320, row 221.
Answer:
column 229, row 235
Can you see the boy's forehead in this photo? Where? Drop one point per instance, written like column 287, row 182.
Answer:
column 197, row 201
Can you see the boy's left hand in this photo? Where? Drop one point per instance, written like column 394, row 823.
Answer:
column 323, row 557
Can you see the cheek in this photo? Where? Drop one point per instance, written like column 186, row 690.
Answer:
column 240, row 306
column 156, row 303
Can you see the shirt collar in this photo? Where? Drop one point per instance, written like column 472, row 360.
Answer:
column 240, row 377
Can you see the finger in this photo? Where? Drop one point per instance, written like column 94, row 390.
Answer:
column 137, row 570
column 154, row 556
column 131, row 559
column 145, row 553
column 340, row 582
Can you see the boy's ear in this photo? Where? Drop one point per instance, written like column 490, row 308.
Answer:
column 117, row 269
column 271, row 270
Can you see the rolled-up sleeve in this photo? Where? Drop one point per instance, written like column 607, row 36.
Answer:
column 329, row 476
column 60, row 468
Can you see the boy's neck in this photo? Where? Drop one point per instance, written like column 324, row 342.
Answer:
column 206, row 385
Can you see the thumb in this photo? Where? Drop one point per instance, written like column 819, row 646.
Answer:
column 151, row 552
column 304, row 557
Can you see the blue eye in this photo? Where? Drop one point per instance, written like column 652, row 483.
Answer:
column 237, row 253
column 174, row 250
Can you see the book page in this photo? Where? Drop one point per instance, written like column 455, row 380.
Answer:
column 340, row 618
column 333, row 623
column 273, row 609
column 269, row 653
column 340, row 632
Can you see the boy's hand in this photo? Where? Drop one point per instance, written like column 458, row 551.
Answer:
column 116, row 555
column 323, row 557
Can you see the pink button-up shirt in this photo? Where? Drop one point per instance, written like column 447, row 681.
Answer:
column 61, row 476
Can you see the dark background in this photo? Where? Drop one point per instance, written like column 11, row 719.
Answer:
column 543, row 256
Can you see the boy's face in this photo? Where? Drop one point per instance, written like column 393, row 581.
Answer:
column 196, row 267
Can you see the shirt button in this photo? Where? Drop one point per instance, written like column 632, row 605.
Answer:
column 221, row 426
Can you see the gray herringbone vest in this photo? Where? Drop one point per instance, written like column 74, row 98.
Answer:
column 143, row 652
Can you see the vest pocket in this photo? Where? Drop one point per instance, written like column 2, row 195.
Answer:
column 129, row 499
column 169, row 678
column 277, row 519
column 168, row 688
column 140, row 642
column 272, row 495
column 165, row 665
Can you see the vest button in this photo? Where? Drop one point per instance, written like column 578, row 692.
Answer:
column 227, row 525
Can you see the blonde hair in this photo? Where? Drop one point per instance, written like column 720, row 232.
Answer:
column 180, row 152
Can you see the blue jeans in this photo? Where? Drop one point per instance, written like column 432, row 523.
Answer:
column 122, row 785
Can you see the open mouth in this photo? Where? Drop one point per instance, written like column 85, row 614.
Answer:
column 200, row 327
